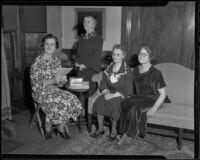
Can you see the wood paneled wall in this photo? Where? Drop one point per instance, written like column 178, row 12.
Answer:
column 168, row 30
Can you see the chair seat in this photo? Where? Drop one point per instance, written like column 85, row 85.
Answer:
column 174, row 115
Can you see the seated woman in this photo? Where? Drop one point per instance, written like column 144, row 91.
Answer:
column 116, row 84
column 150, row 94
column 58, row 105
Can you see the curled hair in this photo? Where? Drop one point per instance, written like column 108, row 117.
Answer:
column 150, row 52
column 50, row 36
column 121, row 47
column 93, row 19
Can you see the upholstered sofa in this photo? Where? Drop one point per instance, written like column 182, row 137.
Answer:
column 178, row 114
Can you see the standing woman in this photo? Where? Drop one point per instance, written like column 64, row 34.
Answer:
column 150, row 94
column 116, row 84
column 58, row 105
column 89, row 50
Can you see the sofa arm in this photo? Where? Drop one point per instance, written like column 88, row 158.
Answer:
column 97, row 78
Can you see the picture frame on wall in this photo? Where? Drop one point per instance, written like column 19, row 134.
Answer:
column 98, row 13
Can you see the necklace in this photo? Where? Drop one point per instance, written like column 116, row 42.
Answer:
column 113, row 76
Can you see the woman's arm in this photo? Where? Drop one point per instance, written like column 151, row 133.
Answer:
column 158, row 102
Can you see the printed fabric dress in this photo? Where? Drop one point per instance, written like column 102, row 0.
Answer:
column 121, row 82
column 57, row 104
column 133, row 118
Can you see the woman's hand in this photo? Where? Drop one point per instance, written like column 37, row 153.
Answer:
column 108, row 96
column 63, row 81
column 151, row 112
column 48, row 82
column 57, row 79
column 82, row 66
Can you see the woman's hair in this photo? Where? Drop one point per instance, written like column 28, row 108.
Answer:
column 93, row 19
column 50, row 36
column 121, row 47
column 150, row 52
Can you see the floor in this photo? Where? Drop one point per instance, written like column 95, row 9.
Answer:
column 33, row 143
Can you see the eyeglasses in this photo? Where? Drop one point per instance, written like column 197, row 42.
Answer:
column 143, row 54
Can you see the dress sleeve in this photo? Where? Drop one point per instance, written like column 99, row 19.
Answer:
column 97, row 52
column 159, row 80
column 76, row 45
column 36, row 80
column 103, row 84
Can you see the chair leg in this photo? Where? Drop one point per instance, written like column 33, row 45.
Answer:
column 90, row 122
column 40, row 125
column 180, row 137
column 79, row 123
column 34, row 116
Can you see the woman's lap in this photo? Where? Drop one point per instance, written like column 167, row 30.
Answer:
column 61, row 106
column 109, row 108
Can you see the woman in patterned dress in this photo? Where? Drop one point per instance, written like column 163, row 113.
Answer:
column 58, row 105
column 150, row 94
column 116, row 84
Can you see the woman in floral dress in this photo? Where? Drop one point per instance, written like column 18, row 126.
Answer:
column 57, row 104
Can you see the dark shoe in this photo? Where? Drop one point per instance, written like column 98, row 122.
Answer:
column 113, row 138
column 97, row 134
column 48, row 134
column 63, row 134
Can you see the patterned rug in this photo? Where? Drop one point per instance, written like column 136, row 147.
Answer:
column 150, row 145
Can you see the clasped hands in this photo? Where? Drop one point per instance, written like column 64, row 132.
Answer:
column 108, row 95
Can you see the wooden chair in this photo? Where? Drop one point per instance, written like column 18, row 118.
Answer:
column 36, row 116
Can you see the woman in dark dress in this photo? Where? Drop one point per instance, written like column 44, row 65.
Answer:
column 89, row 50
column 150, row 94
column 116, row 84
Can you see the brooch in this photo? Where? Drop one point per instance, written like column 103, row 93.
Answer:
column 114, row 78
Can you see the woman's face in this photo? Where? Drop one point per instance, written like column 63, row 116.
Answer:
column 117, row 55
column 88, row 24
column 143, row 56
column 50, row 45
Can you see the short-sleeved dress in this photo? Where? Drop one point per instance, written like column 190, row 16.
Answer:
column 58, row 105
column 133, row 109
column 89, row 51
column 123, row 85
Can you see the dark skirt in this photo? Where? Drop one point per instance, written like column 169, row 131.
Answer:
column 110, row 108
column 133, row 119
column 87, row 74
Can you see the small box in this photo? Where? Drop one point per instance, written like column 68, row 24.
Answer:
column 74, row 81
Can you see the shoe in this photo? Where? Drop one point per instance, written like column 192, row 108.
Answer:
column 63, row 134
column 48, row 134
column 112, row 138
column 97, row 134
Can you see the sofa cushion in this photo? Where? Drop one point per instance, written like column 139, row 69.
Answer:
column 179, row 83
column 174, row 115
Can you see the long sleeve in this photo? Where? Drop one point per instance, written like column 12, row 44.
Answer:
column 36, row 81
column 97, row 52
column 103, row 84
column 89, row 52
